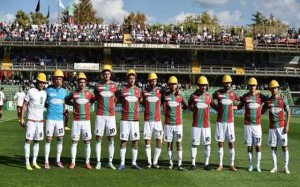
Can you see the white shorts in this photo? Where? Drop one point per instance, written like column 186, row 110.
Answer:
column 129, row 130
column 34, row 130
column 202, row 135
column 154, row 127
column 56, row 127
column 252, row 135
column 107, row 124
column 83, row 127
column 277, row 135
column 225, row 131
column 173, row 131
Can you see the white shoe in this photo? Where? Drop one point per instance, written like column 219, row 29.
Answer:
column 286, row 170
column 273, row 170
column 111, row 166
column 98, row 166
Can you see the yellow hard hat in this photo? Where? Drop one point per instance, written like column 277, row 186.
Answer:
column 107, row 67
column 130, row 72
column 41, row 77
column 252, row 81
column 173, row 80
column 81, row 76
column 152, row 76
column 227, row 78
column 273, row 84
column 58, row 73
column 202, row 80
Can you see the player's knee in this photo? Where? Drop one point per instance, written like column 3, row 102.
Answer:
column 274, row 148
column 98, row 138
column 230, row 145
column 250, row 148
column 284, row 148
column 60, row 139
column 258, row 149
column 87, row 141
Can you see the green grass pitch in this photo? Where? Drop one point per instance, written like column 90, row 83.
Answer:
column 13, row 173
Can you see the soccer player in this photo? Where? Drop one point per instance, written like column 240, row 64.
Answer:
column 253, row 101
column 279, row 117
column 225, row 121
column 34, row 104
column 105, row 115
column 130, row 96
column 174, row 102
column 55, row 103
column 19, row 100
column 199, row 103
column 152, row 122
column 80, row 99
column 2, row 97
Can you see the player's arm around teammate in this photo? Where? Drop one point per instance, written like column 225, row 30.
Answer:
column 174, row 103
column 200, row 102
column 55, row 103
column 152, row 119
column 81, row 98
column 105, row 121
column 34, row 106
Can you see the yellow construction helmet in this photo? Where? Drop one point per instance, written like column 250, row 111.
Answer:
column 252, row 81
column 173, row 80
column 58, row 73
column 152, row 76
column 41, row 77
column 107, row 67
column 202, row 80
column 130, row 72
column 81, row 76
column 227, row 78
column 273, row 84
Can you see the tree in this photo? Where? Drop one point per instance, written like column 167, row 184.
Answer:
column 258, row 19
column 135, row 20
column 22, row 18
column 38, row 18
column 84, row 13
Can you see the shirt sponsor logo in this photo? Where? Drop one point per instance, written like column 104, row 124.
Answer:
column 126, row 93
column 173, row 103
column 167, row 98
column 254, row 105
column 152, row 99
column 56, row 101
column 226, row 101
column 249, row 100
column 82, row 101
column 147, row 94
column 202, row 105
column 131, row 99
column 275, row 110
column 221, row 96
column 101, row 87
column 106, row 94
column 52, row 94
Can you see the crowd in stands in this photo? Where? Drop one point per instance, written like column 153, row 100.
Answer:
column 58, row 33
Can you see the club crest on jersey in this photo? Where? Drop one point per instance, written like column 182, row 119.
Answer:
column 152, row 99
column 106, row 94
column 275, row 110
column 202, row 105
column 131, row 98
column 226, row 101
column 82, row 101
column 254, row 105
column 173, row 103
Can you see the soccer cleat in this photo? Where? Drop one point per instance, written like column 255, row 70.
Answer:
column 72, row 165
column 47, row 166
column 180, row 168
column 88, row 166
column 111, row 166
column 59, row 164
column 207, row 167
column 156, row 166
column 67, row 129
column 136, row 167
column 193, row 167
column 286, row 170
column 148, row 166
column 250, row 168
column 258, row 169
column 36, row 166
column 98, row 165
column 219, row 168
column 273, row 170
column 28, row 167
column 170, row 167
column 121, row 167
column 232, row 168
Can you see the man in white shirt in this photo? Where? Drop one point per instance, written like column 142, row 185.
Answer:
column 34, row 105
column 19, row 100
column 2, row 97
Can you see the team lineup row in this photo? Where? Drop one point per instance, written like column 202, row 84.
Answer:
column 173, row 102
